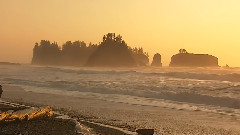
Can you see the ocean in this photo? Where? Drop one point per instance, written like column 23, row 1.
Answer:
column 215, row 90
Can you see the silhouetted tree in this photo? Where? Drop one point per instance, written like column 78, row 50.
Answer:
column 140, row 56
column 183, row 51
column 46, row 53
column 35, row 54
column 112, row 51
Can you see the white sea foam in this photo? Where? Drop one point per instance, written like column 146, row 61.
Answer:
column 200, row 89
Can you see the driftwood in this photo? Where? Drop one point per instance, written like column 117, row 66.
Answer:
column 26, row 114
column 145, row 131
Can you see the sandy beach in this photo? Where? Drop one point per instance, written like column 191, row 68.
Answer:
column 128, row 116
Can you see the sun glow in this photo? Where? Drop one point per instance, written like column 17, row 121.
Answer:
column 158, row 26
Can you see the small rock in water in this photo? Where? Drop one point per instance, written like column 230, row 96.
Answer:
column 145, row 131
column 157, row 60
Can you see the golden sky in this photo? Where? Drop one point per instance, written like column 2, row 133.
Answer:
column 164, row 26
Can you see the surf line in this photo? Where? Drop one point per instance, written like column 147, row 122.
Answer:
column 79, row 123
column 81, row 128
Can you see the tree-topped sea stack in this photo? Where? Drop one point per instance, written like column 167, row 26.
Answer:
column 114, row 52
column 46, row 53
column 185, row 59
column 70, row 54
column 111, row 52
column 156, row 60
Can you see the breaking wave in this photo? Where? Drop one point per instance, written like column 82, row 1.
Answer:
column 159, row 87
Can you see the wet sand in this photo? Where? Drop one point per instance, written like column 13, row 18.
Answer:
column 130, row 117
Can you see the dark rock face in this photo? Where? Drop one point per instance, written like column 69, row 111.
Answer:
column 193, row 60
column 157, row 60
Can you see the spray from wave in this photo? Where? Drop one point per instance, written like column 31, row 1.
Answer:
column 214, row 90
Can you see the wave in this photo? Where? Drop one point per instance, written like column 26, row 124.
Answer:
column 131, row 86
column 186, row 97
column 83, row 71
column 233, row 77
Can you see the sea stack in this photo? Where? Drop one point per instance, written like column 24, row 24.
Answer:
column 156, row 60
column 113, row 51
column 185, row 59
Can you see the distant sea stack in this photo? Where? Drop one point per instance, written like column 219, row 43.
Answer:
column 111, row 52
column 157, row 62
column 185, row 59
column 114, row 52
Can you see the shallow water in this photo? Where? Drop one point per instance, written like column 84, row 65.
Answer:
column 198, row 89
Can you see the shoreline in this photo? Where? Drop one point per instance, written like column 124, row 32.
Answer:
column 18, row 119
column 60, row 124
column 129, row 117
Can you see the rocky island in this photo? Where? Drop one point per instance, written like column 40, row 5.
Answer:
column 113, row 51
column 157, row 60
column 185, row 59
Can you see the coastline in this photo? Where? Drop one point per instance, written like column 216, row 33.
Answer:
column 129, row 117
column 18, row 119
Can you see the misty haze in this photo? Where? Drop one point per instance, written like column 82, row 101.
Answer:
column 119, row 67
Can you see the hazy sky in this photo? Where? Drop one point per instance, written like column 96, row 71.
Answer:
column 164, row 26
